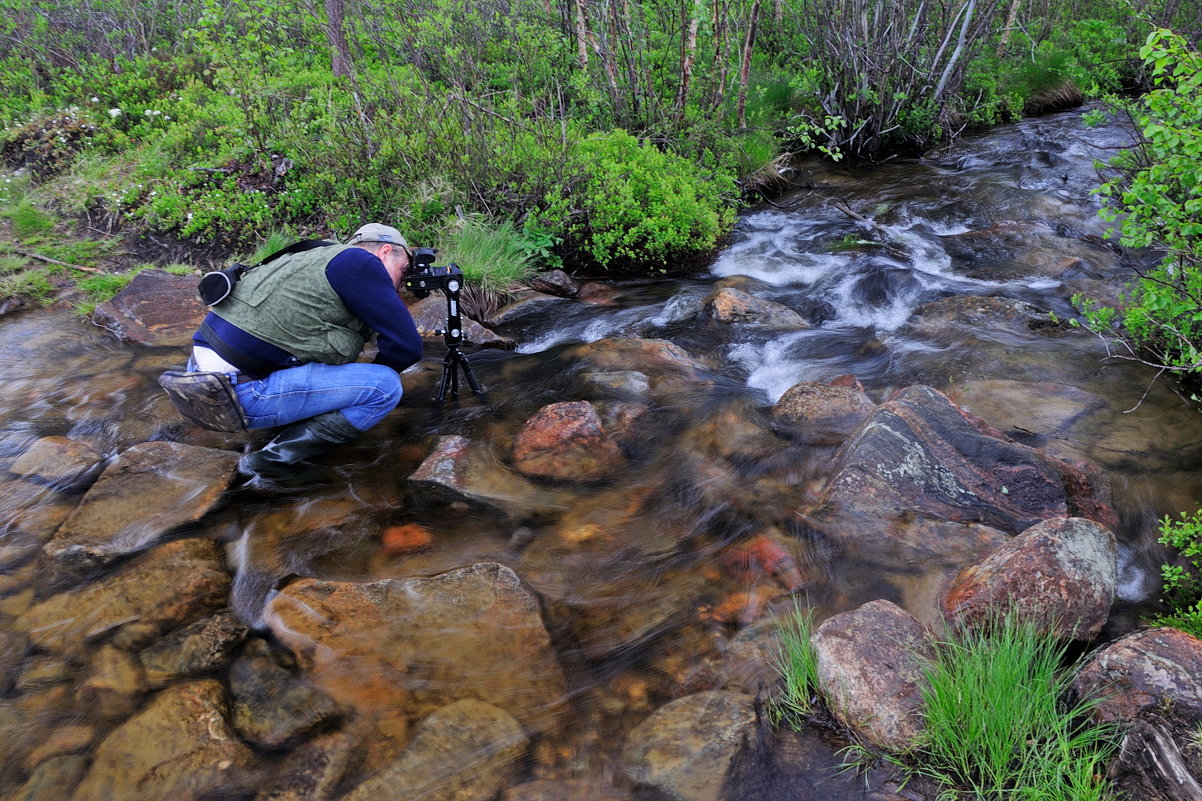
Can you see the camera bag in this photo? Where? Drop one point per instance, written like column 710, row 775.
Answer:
column 207, row 400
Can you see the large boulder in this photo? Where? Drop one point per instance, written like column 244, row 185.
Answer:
column 168, row 587
column 155, row 308
column 821, row 413
column 871, row 671
column 1157, row 669
column 60, row 462
column 465, row 751
column 144, row 493
column 180, row 747
column 730, row 305
column 414, row 645
column 685, row 748
column 921, row 457
column 1059, row 574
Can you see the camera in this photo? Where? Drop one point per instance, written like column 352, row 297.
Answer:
column 423, row 276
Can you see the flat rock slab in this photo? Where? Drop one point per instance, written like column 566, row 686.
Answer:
column 144, row 493
column 155, row 308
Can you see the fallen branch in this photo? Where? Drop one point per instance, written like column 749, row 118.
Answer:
column 27, row 254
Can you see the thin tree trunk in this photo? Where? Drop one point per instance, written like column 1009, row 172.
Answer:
column 1011, row 15
column 745, row 67
column 687, row 57
column 582, row 34
column 339, row 53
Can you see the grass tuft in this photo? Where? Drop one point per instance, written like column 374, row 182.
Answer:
column 491, row 255
column 797, row 662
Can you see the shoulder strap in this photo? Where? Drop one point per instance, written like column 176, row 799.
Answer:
column 295, row 247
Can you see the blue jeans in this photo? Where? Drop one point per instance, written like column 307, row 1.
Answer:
column 364, row 393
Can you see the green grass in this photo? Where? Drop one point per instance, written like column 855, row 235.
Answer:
column 997, row 725
column 797, row 663
column 491, row 255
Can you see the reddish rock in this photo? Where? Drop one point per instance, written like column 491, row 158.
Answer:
column 729, row 305
column 824, row 414
column 406, row 539
column 155, row 308
column 1152, row 670
column 848, row 381
column 762, row 555
column 461, row 471
column 566, row 441
column 871, row 663
column 1059, row 574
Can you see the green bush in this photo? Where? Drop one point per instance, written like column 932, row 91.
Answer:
column 1183, row 585
column 629, row 201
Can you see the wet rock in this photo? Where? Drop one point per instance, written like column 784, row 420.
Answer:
column 59, row 461
column 824, row 414
column 415, row 644
column 66, row 739
column 13, row 647
column 30, row 513
column 685, row 748
column 180, row 747
column 554, row 282
column 1059, row 574
column 53, row 780
column 745, row 663
column 921, row 457
column 168, row 587
column 950, row 319
column 115, row 685
column 409, row 538
column 272, row 707
column 730, row 305
column 871, row 663
column 569, row 790
column 1153, row 670
column 144, row 493
column 616, row 384
column 195, row 650
column 566, row 441
column 462, row 471
column 430, row 316
column 670, row 367
column 43, row 671
column 1018, row 407
column 312, row 770
column 465, row 751
column 155, row 308
column 524, row 303
column 1011, row 250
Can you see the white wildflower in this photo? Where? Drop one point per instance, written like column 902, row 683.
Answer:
column 114, row 113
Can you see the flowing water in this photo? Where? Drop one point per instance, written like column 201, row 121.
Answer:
column 1007, row 215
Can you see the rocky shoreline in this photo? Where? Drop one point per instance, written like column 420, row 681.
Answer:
column 152, row 649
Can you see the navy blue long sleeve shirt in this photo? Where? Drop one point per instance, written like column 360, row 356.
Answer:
column 364, row 285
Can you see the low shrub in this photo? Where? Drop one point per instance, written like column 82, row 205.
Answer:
column 1183, row 584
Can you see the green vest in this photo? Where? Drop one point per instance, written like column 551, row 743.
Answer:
column 289, row 303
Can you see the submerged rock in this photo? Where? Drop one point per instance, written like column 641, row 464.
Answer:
column 465, row 751
column 144, row 493
column 194, row 650
column 413, row 645
column 871, row 670
column 155, row 308
column 823, row 414
column 1059, row 574
column 685, row 748
column 60, row 462
column 272, row 707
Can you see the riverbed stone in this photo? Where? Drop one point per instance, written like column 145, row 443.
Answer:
column 1059, row 575
column 180, row 746
column 670, row 368
column 413, row 645
column 59, row 461
column 312, row 770
column 53, row 779
column 156, row 308
column 462, row 471
column 115, row 684
column 629, row 384
column 169, row 586
column 951, row 319
column 1156, row 670
column 1010, row 250
column 922, row 457
column 194, row 650
column 566, row 441
column 686, row 746
column 1043, row 408
column 523, row 303
column 146, row 492
column 821, row 413
column 730, row 305
column 554, row 282
column 273, row 707
column 871, row 663
column 13, row 647
column 465, row 751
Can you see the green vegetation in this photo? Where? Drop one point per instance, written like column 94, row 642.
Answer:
column 1155, row 192
column 997, row 725
column 612, row 135
column 1183, row 585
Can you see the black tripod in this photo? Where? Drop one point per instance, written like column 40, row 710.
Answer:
column 454, row 361
column 421, row 281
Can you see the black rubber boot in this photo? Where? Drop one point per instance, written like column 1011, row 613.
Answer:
column 282, row 458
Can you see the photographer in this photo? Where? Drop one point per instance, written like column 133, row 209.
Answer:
column 289, row 334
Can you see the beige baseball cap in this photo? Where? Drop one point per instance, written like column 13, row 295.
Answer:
column 378, row 232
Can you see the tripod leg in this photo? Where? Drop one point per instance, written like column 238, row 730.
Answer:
column 471, row 377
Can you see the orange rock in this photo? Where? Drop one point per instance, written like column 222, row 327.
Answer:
column 764, row 556
column 406, row 539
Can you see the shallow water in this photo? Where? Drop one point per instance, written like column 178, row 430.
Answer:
column 635, row 617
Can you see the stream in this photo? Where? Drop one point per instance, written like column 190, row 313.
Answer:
column 937, row 271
